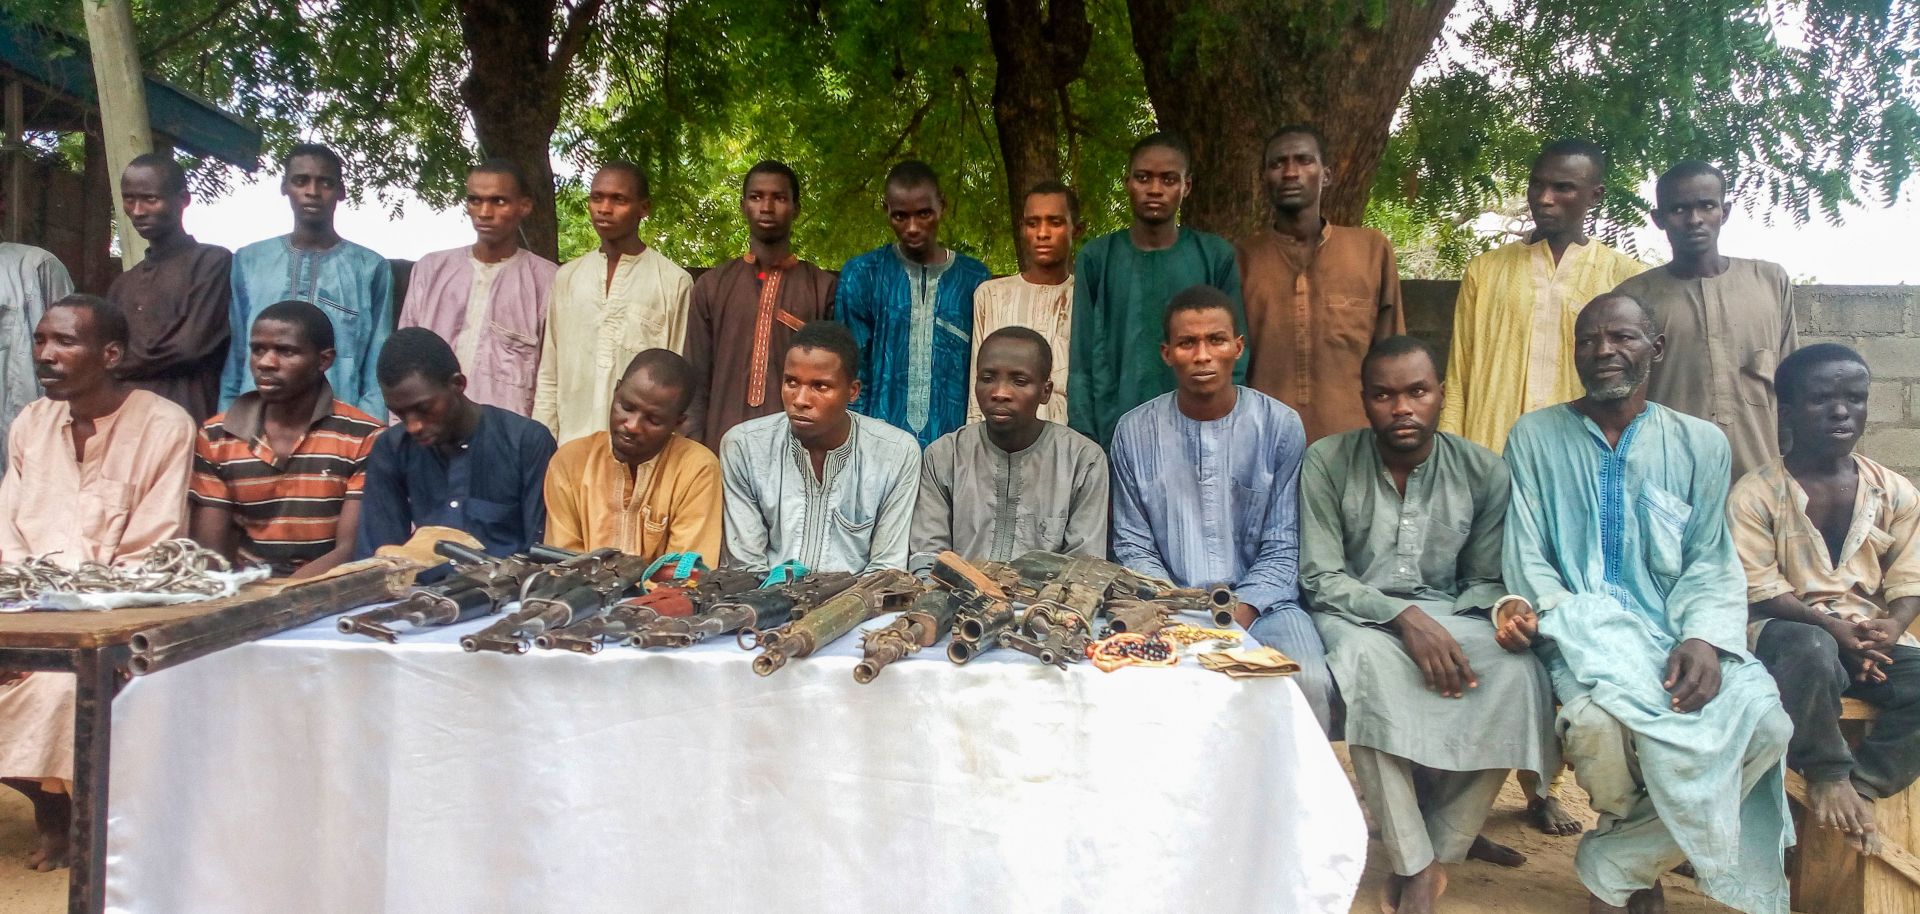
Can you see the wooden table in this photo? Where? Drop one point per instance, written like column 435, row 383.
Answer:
column 98, row 649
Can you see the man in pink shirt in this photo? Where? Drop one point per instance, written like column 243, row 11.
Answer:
column 488, row 300
column 97, row 471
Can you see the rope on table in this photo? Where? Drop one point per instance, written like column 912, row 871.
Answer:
column 178, row 566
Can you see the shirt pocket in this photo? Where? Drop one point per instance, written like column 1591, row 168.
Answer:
column 1443, row 537
column 517, row 357
column 1251, row 505
column 1049, row 533
column 1756, row 377
column 653, row 535
column 1347, row 324
column 1663, row 521
column 852, row 520
column 646, row 327
column 958, row 334
column 327, row 303
column 1876, row 545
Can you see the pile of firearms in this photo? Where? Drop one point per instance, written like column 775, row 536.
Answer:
column 1047, row 605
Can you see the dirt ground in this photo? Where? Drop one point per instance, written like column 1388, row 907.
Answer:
column 23, row 891
column 1546, row 885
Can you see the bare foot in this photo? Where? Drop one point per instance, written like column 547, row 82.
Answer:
column 1551, row 816
column 1836, row 805
column 52, row 818
column 1421, row 892
column 1686, row 869
column 1648, row 901
column 1596, row 906
column 1390, row 897
column 52, row 854
column 1496, row 854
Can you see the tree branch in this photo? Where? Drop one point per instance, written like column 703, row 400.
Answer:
column 572, row 39
column 886, row 158
column 215, row 15
column 913, row 124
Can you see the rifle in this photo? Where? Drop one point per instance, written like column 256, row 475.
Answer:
column 983, row 609
column 481, row 589
column 923, row 624
column 1085, row 584
column 822, row 624
column 746, row 610
column 631, row 615
column 559, row 595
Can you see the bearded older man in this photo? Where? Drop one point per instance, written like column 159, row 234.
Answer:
column 1617, row 534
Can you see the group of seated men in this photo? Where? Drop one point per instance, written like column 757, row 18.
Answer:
column 1439, row 597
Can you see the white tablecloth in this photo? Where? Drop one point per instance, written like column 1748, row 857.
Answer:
column 315, row 773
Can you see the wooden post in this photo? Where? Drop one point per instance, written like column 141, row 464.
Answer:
column 16, row 159
column 123, row 104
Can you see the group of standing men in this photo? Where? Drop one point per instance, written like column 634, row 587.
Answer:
column 1196, row 410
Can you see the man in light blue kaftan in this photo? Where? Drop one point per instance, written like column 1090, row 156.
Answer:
column 350, row 283
column 1617, row 533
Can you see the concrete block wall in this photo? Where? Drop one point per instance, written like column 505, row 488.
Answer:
column 1881, row 322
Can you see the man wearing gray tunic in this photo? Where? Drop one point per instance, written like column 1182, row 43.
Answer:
column 1011, row 482
column 1400, row 553
column 1728, row 320
column 30, row 278
column 816, row 484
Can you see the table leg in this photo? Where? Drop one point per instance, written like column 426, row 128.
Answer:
column 97, row 679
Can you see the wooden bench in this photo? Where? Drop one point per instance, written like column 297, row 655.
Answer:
column 1829, row 877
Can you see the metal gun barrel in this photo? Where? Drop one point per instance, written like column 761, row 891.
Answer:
column 1215, row 602
column 924, row 623
column 962, row 650
column 373, row 622
column 976, row 627
column 449, row 607
column 543, row 553
column 461, row 553
column 508, row 631
column 834, row 618
column 879, row 655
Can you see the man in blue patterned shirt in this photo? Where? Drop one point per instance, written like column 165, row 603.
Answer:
column 910, row 307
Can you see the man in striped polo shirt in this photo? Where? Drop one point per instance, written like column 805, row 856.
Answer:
column 277, row 477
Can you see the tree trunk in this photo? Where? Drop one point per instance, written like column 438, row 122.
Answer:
column 122, row 89
column 1224, row 73
column 514, row 88
column 1036, row 55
